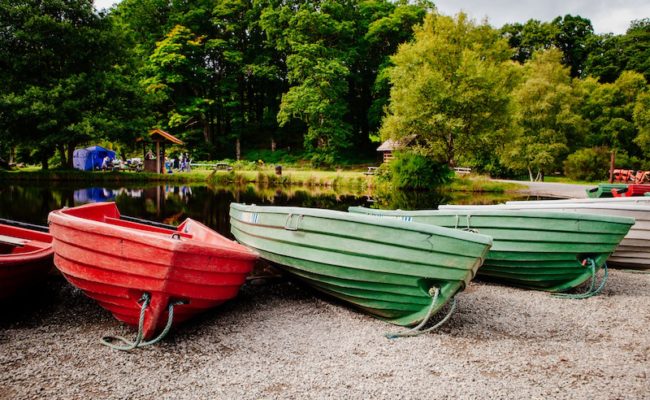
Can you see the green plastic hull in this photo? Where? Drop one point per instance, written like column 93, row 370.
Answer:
column 604, row 190
column 385, row 267
column 532, row 249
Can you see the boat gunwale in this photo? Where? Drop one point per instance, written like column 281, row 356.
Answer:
column 151, row 239
column 367, row 220
column 499, row 211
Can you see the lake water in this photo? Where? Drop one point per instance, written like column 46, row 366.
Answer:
column 208, row 204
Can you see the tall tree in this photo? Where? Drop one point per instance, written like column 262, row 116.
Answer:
column 451, row 88
column 609, row 110
column 547, row 117
column 573, row 36
column 62, row 66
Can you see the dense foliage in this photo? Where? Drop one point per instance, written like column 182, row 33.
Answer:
column 320, row 80
column 411, row 170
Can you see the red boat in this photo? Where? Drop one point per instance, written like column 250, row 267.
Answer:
column 25, row 258
column 139, row 272
column 631, row 190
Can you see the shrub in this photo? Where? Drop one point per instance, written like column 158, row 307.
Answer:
column 592, row 164
column 415, row 171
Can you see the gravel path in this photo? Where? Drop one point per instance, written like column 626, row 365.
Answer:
column 280, row 340
column 553, row 189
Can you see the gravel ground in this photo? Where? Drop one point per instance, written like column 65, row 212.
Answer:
column 281, row 340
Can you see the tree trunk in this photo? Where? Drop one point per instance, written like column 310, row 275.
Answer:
column 61, row 149
column 70, row 161
column 530, row 174
column 238, row 149
column 12, row 154
column 273, row 144
column 44, row 161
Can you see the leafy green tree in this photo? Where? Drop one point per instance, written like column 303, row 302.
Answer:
column 609, row 110
column 642, row 122
column 451, row 89
column 63, row 73
column 529, row 37
column 574, row 33
column 547, row 116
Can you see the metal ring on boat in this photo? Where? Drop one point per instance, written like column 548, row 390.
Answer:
column 176, row 236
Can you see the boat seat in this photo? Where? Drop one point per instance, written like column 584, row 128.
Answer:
column 143, row 227
column 12, row 241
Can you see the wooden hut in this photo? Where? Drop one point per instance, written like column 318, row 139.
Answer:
column 155, row 162
column 389, row 146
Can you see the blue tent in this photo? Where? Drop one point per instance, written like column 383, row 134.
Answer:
column 91, row 157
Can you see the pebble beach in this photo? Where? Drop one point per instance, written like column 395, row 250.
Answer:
column 280, row 339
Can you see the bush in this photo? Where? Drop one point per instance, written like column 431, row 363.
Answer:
column 592, row 164
column 415, row 171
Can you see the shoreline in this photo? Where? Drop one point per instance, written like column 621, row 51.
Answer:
column 285, row 340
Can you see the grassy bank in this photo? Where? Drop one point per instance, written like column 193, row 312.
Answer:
column 355, row 180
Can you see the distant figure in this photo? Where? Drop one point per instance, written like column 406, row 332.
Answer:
column 105, row 162
column 188, row 162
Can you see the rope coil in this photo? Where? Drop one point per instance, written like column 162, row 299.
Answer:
column 138, row 341
column 415, row 331
column 593, row 290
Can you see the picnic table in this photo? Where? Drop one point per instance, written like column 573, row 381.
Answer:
column 216, row 166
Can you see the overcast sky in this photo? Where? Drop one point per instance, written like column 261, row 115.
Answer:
column 605, row 15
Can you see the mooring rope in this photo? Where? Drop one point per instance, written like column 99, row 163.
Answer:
column 130, row 345
column 416, row 330
column 137, row 342
column 593, row 290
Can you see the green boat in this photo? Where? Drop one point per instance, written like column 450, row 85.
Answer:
column 604, row 189
column 552, row 251
column 398, row 271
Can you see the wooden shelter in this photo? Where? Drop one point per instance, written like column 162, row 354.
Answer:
column 155, row 162
column 391, row 145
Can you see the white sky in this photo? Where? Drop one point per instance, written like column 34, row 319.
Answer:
column 605, row 15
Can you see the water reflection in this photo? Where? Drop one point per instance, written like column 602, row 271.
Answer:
column 171, row 204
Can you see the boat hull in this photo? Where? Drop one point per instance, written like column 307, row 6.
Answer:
column 115, row 262
column 24, row 265
column 385, row 268
column 634, row 249
column 604, row 190
column 532, row 249
column 632, row 190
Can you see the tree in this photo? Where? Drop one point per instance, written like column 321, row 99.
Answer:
column 530, row 37
column 573, row 36
column 451, row 88
column 642, row 122
column 609, row 110
column 63, row 68
column 546, row 117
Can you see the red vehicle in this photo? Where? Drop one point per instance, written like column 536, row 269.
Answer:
column 631, row 190
column 25, row 258
column 146, row 276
